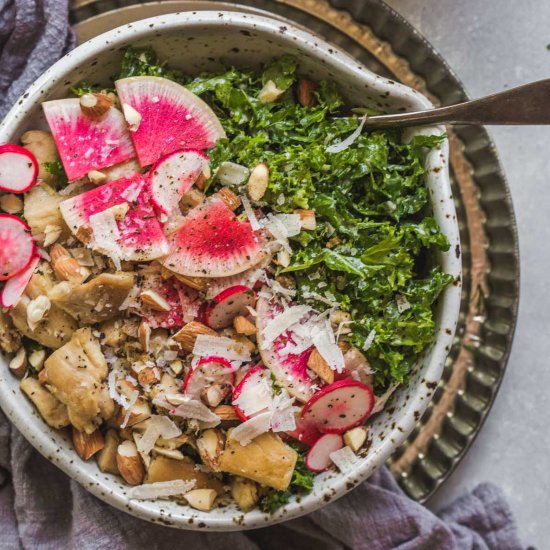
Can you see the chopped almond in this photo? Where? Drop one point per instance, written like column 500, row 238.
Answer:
column 210, row 445
column 320, row 367
column 18, row 364
column 356, row 437
column 95, row 105
column 307, row 219
column 201, row 499
column 86, row 445
column 144, row 335
column 130, row 464
column 66, row 267
column 243, row 326
column 106, row 458
column 154, row 300
column 258, row 182
column 306, row 95
column 225, row 412
column 187, row 335
column 230, row 199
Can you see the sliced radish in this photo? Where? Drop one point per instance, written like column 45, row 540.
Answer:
column 318, row 457
column 290, row 369
column 212, row 242
column 140, row 236
column 305, row 433
column 172, row 176
column 170, row 117
column 249, row 278
column 339, row 407
column 210, row 372
column 227, row 305
column 17, row 248
column 85, row 143
column 18, row 168
column 14, row 288
column 254, row 394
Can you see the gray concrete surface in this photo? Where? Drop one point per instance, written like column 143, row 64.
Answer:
column 493, row 45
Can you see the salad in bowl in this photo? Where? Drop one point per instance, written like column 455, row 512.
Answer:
column 215, row 281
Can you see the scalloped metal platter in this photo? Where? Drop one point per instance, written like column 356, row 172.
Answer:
column 380, row 38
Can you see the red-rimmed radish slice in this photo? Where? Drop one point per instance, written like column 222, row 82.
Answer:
column 253, row 394
column 140, row 234
column 172, row 176
column 85, row 143
column 250, row 278
column 170, row 117
column 228, row 304
column 14, row 288
column 318, row 457
column 305, row 433
column 212, row 242
column 290, row 369
column 18, row 168
column 339, row 407
column 210, row 372
column 17, row 247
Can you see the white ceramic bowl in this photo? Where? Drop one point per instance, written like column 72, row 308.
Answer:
column 196, row 42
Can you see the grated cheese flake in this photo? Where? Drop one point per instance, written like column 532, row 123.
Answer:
column 325, row 343
column 166, row 427
column 147, row 441
column 250, row 214
column 369, row 340
column 344, row 144
column 247, row 431
column 344, row 459
column 221, row 346
column 283, row 322
column 191, row 408
column 161, row 489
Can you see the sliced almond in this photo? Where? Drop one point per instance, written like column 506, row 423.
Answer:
column 87, row 445
column 231, row 200
column 97, row 177
column 320, row 367
column 243, row 326
column 307, row 219
column 187, row 335
column 169, row 453
column 356, row 437
column 66, row 267
column 144, row 336
column 201, row 499
column 210, row 446
column 129, row 463
column 226, row 412
column 258, row 181
column 305, row 93
column 95, row 105
column 154, row 300
column 18, row 364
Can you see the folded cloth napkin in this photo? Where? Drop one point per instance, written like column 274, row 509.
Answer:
column 42, row 508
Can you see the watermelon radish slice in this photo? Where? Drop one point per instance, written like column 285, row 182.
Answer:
column 172, row 118
column 14, row 288
column 248, row 278
column 172, row 176
column 212, row 242
column 254, row 393
column 231, row 302
column 305, row 433
column 141, row 236
column 289, row 369
column 18, row 168
column 86, row 144
column 208, row 372
column 318, row 457
column 339, row 407
column 17, row 248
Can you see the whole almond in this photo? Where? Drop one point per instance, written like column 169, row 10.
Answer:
column 18, row 364
column 320, row 367
column 129, row 463
column 66, row 267
column 231, row 200
column 154, row 300
column 187, row 335
column 95, row 105
column 306, row 89
column 258, row 182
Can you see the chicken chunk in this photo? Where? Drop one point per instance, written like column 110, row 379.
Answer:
column 10, row 339
column 265, row 459
column 75, row 374
column 42, row 145
column 95, row 301
column 55, row 329
column 50, row 408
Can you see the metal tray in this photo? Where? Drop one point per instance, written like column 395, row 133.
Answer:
column 380, row 38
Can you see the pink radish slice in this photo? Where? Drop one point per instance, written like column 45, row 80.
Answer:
column 305, row 433
column 318, row 457
column 289, row 369
column 17, row 247
column 339, row 407
column 249, row 278
column 212, row 242
column 172, row 176
column 166, row 319
column 228, row 304
column 209, row 371
column 18, row 168
column 14, row 288
column 86, row 144
column 172, row 118
column 251, row 394
column 141, row 235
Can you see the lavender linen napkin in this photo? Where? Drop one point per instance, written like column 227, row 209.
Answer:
column 42, row 508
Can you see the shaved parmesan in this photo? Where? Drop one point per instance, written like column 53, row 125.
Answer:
column 402, row 303
column 247, row 431
column 106, row 234
column 250, row 214
column 344, row 144
column 147, row 441
column 292, row 223
column 161, row 489
column 323, row 339
column 167, row 428
column 344, row 459
column 283, row 413
column 259, row 400
column 191, row 408
column 283, row 322
column 133, row 400
column 369, row 340
column 220, row 346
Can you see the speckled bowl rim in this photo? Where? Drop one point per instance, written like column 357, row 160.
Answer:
column 438, row 183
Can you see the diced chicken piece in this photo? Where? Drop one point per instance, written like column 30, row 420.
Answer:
column 75, row 375
column 42, row 145
column 95, row 301
column 51, row 409
column 10, row 339
column 55, row 329
column 245, row 492
column 265, row 459
column 168, row 469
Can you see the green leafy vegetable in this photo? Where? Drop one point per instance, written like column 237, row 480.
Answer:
column 56, row 169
